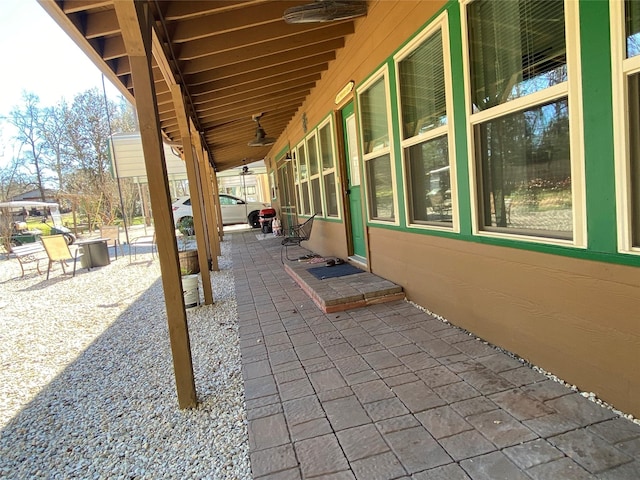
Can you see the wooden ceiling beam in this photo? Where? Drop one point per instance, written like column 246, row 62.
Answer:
column 75, row 6
column 270, row 120
column 101, row 24
column 233, row 58
column 255, row 35
column 228, row 21
column 250, row 108
column 243, row 100
column 184, row 10
column 230, row 156
column 113, row 47
column 170, row 122
column 241, row 135
column 224, row 87
column 326, row 49
column 264, row 72
column 213, row 97
column 270, row 48
column 265, row 89
column 246, row 132
column 123, row 67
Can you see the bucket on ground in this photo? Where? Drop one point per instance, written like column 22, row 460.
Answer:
column 190, row 290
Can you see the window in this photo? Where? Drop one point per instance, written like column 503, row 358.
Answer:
column 304, row 201
column 224, row 200
column 325, row 142
column 528, row 177
column 423, row 100
column 314, row 175
column 380, row 188
column 376, row 144
column 296, row 179
column 272, row 185
column 315, row 172
column 626, row 41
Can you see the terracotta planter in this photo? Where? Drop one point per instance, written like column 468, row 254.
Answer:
column 189, row 262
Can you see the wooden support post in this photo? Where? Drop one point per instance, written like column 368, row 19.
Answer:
column 195, row 191
column 136, row 24
column 212, row 227
column 216, row 218
column 207, row 204
column 214, row 184
column 212, row 207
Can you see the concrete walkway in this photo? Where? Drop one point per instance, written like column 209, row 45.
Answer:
column 389, row 392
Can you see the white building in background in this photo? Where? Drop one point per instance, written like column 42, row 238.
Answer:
column 127, row 161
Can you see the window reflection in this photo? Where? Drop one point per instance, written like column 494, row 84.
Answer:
column 430, row 181
column 381, row 186
column 525, row 166
column 517, row 48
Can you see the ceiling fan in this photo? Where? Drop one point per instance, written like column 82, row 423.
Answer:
column 245, row 171
column 261, row 139
column 325, row 11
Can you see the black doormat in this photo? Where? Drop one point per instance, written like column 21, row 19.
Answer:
column 335, row 271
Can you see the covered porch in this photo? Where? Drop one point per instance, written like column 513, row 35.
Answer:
column 286, row 390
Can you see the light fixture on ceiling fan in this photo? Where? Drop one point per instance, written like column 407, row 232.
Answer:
column 261, row 139
column 325, row 11
column 245, row 171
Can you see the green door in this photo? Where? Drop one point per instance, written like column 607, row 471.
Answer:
column 353, row 181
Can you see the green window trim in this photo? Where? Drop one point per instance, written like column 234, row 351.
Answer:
column 525, row 149
column 377, row 144
column 598, row 141
column 317, row 184
column 425, row 106
column 625, row 56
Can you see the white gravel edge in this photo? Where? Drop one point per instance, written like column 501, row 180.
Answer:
column 589, row 395
column 87, row 386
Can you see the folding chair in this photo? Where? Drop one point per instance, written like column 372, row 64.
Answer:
column 58, row 251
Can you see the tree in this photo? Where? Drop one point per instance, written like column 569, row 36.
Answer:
column 14, row 178
column 88, row 131
column 28, row 121
column 124, row 118
column 67, row 146
column 12, row 181
column 56, row 147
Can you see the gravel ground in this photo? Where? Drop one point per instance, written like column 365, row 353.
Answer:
column 87, row 386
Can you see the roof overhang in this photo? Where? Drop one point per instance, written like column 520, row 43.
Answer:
column 233, row 59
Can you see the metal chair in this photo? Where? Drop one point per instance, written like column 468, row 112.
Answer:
column 112, row 234
column 299, row 233
column 143, row 241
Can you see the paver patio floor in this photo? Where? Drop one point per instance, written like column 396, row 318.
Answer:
column 387, row 392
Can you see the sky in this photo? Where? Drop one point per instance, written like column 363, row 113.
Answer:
column 40, row 58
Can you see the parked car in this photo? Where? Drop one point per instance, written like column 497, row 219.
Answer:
column 234, row 210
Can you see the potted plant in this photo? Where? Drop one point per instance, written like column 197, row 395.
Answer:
column 189, row 265
column 188, row 252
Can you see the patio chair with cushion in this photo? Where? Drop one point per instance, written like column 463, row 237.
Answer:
column 58, row 251
column 298, row 234
column 112, row 234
